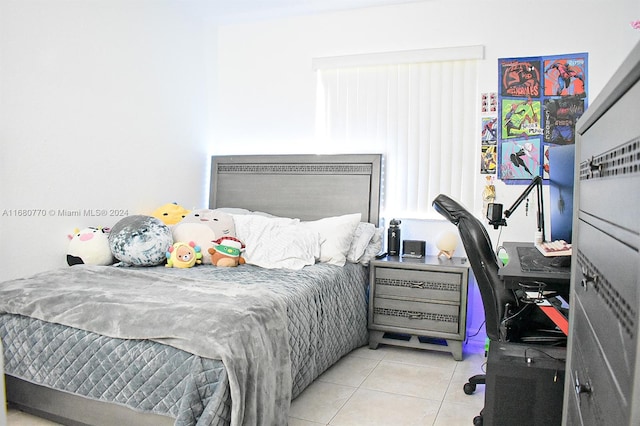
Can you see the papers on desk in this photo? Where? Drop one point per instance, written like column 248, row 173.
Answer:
column 554, row 248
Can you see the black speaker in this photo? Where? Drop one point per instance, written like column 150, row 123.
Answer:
column 525, row 385
column 413, row 248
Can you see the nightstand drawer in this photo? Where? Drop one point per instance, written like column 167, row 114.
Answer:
column 416, row 315
column 429, row 285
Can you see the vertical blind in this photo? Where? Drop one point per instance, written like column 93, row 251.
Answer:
column 421, row 115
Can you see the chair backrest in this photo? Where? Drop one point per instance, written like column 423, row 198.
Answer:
column 483, row 260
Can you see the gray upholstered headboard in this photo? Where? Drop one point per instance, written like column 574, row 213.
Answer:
column 307, row 187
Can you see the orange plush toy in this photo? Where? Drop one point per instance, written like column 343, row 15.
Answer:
column 226, row 252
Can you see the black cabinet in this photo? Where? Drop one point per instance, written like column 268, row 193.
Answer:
column 525, row 384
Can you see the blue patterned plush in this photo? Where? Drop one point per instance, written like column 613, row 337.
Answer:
column 140, row 241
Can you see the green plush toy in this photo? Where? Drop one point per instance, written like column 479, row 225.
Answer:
column 226, row 252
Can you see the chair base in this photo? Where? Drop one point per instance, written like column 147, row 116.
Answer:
column 470, row 386
column 478, row 420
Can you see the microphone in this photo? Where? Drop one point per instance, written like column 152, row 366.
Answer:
column 494, row 214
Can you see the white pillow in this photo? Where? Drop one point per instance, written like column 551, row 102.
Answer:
column 241, row 211
column 336, row 234
column 374, row 247
column 361, row 238
column 276, row 242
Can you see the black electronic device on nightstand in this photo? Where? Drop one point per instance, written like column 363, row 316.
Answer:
column 413, row 248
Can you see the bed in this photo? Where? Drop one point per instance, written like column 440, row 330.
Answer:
column 205, row 345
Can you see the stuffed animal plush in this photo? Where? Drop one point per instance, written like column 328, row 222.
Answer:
column 203, row 226
column 226, row 252
column 140, row 241
column 183, row 255
column 170, row 214
column 89, row 246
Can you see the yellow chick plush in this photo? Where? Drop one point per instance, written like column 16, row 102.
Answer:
column 170, row 214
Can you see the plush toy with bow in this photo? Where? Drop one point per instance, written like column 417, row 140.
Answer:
column 226, row 252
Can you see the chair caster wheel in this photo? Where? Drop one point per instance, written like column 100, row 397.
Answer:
column 477, row 421
column 469, row 388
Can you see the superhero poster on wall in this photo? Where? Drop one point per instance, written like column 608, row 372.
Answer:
column 540, row 101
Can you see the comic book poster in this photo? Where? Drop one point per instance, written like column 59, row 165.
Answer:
column 560, row 116
column 489, row 133
column 520, row 159
column 520, row 117
column 540, row 102
column 565, row 76
column 520, row 78
column 489, row 130
column 489, row 159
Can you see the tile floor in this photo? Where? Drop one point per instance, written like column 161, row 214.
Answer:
column 387, row 386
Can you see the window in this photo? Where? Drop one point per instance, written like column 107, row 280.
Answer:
column 419, row 108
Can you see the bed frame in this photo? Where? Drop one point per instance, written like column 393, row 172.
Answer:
column 330, row 185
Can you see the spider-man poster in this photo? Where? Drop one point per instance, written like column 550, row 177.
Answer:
column 564, row 76
column 541, row 99
column 520, row 159
column 520, row 77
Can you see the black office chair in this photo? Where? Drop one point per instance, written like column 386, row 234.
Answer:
column 507, row 317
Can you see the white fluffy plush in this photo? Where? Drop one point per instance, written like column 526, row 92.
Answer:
column 202, row 226
column 89, row 246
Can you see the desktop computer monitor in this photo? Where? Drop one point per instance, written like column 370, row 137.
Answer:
column 561, row 167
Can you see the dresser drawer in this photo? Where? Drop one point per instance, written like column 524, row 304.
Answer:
column 606, row 286
column 594, row 390
column 421, row 284
column 419, row 316
column 609, row 162
column 600, row 197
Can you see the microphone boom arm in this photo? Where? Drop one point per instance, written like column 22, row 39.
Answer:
column 536, row 182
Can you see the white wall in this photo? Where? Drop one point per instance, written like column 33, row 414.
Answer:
column 267, row 87
column 103, row 105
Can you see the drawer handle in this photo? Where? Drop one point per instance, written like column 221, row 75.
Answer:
column 419, row 284
column 588, row 278
column 594, row 167
column 416, row 316
column 582, row 387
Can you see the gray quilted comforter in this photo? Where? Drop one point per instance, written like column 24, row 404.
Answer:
column 304, row 322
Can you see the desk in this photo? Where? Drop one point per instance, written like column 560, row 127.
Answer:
column 537, row 268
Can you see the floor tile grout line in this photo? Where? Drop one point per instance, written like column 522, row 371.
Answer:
column 377, row 361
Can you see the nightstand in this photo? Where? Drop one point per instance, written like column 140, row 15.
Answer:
column 419, row 303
